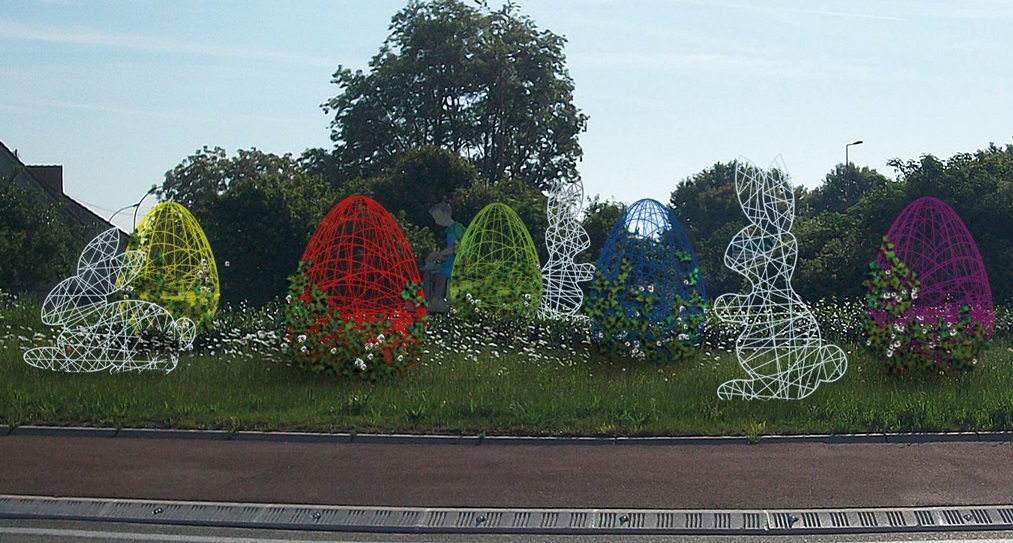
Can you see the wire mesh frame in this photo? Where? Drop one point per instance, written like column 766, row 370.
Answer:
column 651, row 237
column 360, row 258
column 177, row 250
column 929, row 237
column 99, row 333
column 497, row 264
column 565, row 238
column 780, row 346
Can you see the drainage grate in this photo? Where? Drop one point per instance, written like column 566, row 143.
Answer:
column 723, row 521
column 926, row 518
column 952, row 517
column 464, row 520
column 868, row 519
column 549, row 520
column 752, row 521
column 980, row 516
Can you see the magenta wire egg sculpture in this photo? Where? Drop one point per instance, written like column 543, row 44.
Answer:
column 931, row 239
column 944, row 289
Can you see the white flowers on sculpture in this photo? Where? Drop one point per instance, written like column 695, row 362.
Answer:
column 564, row 239
column 100, row 333
column 781, row 347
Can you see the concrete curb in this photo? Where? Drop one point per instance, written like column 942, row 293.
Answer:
column 410, row 439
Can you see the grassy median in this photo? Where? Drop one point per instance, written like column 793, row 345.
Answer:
column 479, row 379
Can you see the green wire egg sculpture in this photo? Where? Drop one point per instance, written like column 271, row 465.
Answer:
column 497, row 269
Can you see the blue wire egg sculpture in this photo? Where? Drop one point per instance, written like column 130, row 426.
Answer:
column 648, row 297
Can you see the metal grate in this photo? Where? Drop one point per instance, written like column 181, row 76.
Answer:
column 896, row 518
column 467, row 520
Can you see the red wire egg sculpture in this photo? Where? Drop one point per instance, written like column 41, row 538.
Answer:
column 360, row 259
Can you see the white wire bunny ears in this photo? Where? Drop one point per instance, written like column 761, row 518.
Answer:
column 100, row 332
column 780, row 347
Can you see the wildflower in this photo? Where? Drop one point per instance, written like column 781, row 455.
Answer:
column 288, row 299
column 361, row 364
column 334, row 350
column 301, row 338
column 650, row 288
column 380, row 338
column 302, row 349
column 369, row 346
column 226, row 263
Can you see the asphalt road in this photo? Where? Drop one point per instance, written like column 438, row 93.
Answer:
column 94, row 532
column 728, row 476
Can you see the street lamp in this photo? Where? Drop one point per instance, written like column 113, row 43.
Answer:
column 135, row 206
column 846, row 162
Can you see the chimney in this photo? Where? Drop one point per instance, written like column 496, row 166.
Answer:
column 50, row 176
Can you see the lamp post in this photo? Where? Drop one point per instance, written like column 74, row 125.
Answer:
column 135, row 206
column 846, row 162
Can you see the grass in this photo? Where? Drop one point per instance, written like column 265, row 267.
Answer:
column 481, row 379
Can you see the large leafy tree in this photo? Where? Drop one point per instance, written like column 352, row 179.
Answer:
column 834, row 222
column 487, row 85
column 842, row 188
column 979, row 187
column 600, row 217
column 708, row 208
column 34, row 243
column 258, row 211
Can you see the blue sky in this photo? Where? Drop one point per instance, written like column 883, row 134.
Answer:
column 120, row 92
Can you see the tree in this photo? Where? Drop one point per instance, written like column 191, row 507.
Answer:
column 34, row 244
column 979, row 187
column 600, row 217
column 487, row 85
column 258, row 211
column 419, row 179
column 708, row 207
column 842, row 188
column 528, row 202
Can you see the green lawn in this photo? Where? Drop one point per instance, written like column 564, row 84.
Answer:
column 481, row 379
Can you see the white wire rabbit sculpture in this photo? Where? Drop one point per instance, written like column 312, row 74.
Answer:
column 565, row 238
column 100, row 332
column 780, row 346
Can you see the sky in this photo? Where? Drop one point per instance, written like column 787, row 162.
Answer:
column 119, row 92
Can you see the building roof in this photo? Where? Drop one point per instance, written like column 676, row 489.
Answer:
column 49, row 181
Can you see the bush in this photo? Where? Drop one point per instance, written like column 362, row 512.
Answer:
column 908, row 337
column 366, row 346
column 644, row 329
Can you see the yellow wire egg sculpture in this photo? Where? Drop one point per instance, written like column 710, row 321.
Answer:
column 179, row 271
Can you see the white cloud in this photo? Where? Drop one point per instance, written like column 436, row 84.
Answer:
column 88, row 36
